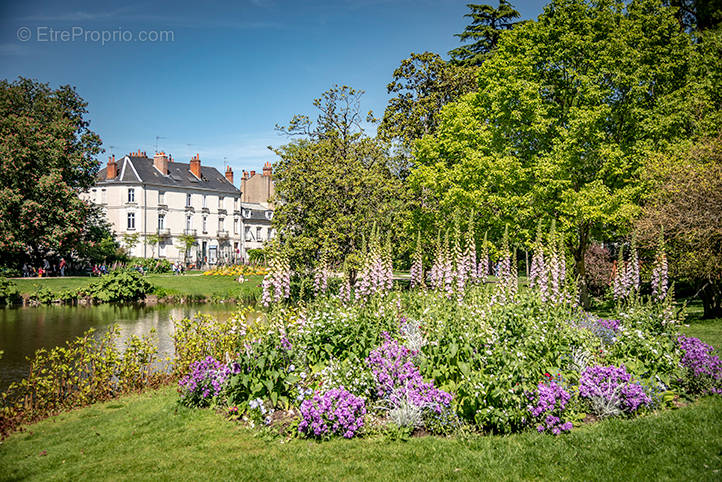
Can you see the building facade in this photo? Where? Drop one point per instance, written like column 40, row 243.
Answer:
column 167, row 203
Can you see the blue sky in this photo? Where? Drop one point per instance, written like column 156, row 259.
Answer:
column 226, row 72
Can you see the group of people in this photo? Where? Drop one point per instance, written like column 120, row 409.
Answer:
column 99, row 270
column 45, row 269
column 178, row 268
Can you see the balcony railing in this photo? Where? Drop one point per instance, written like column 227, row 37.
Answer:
column 164, row 232
column 163, row 206
column 189, row 232
column 222, row 234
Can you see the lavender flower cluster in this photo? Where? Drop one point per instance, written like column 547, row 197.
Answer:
column 398, row 378
column 550, row 401
column 335, row 412
column 205, row 381
column 698, row 359
column 611, row 391
column 605, row 329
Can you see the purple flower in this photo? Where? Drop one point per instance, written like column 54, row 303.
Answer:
column 335, row 412
column 611, row 389
column 702, row 366
column 205, row 381
column 550, row 401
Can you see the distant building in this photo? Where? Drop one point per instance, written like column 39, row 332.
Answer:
column 258, row 188
column 161, row 197
column 256, row 226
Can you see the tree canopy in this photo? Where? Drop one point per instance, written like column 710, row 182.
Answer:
column 568, row 109
column 47, row 157
column 487, row 24
column 333, row 183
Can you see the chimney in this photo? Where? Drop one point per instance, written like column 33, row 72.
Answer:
column 253, row 173
column 196, row 166
column 245, row 175
column 267, row 169
column 160, row 161
column 112, row 171
column 229, row 174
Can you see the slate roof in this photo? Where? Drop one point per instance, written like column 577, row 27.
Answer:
column 256, row 212
column 179, row 175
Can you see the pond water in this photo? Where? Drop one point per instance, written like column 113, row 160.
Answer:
column 24, row 330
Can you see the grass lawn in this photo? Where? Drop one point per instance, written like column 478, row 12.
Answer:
column 148, row 437
column 188, row 284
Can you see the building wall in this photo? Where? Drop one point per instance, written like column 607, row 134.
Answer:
column 258, row 188
column 148, row 206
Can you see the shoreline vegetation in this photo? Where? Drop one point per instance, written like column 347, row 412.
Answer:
column 192, row 287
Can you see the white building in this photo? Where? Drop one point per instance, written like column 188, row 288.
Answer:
column 256, row 226
column 171, row 199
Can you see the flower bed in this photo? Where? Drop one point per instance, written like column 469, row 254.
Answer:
column 422, row 361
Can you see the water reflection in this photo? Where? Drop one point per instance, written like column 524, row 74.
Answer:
column 25, row 330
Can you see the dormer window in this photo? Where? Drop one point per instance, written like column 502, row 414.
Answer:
column 131, row 195
column 269, row 215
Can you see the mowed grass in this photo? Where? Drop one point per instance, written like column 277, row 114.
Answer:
column 148, row 436
column 190, row 284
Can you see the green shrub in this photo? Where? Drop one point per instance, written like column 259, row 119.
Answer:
column 150, row 265
column 9, row 293
column 118, row 286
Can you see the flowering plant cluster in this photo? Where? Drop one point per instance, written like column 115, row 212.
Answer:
column 205, row 381
column 626, row 279
column 550, row 401
column 277, row 283
column 399, row 382
column 376, row 274
column 335, row 412
column 704, row 370
column 611, row 391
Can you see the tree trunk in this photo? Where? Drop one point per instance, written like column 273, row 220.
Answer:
column 712, row 301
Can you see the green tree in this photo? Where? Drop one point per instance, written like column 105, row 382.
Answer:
column 421, row 86
column 152, row 240
column 697, row 14
column 487, row 24
column 47, row 158
column 568, row 109
column 686, row 206
column 130, row 241
column 185, row 243
column 332, row 183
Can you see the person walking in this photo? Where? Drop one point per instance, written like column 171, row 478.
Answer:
column 63, row 264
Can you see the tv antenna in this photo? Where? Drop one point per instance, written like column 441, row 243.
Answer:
column 156, row 142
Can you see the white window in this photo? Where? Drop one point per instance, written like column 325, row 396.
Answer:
column 269, row 234
column 103, row 196
column 131, row 195
column 188, row 200
column 258, row 234
column 161, row 197
column 189, row 222
column 221, row 223
column 220, row 202
column 235, row 204
column 161, row 249
column 94, row 195
column 161, row 221
column 131, row 221
column 248, row 233
column 205, row 224
column 235, row 226
column 205, row 201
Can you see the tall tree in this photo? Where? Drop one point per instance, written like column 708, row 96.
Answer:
column 697, row 14
column 686, row 206
column 422, row 85
column 47, row 157
column 487, row 24
column 333, row 183
column 569, row 108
